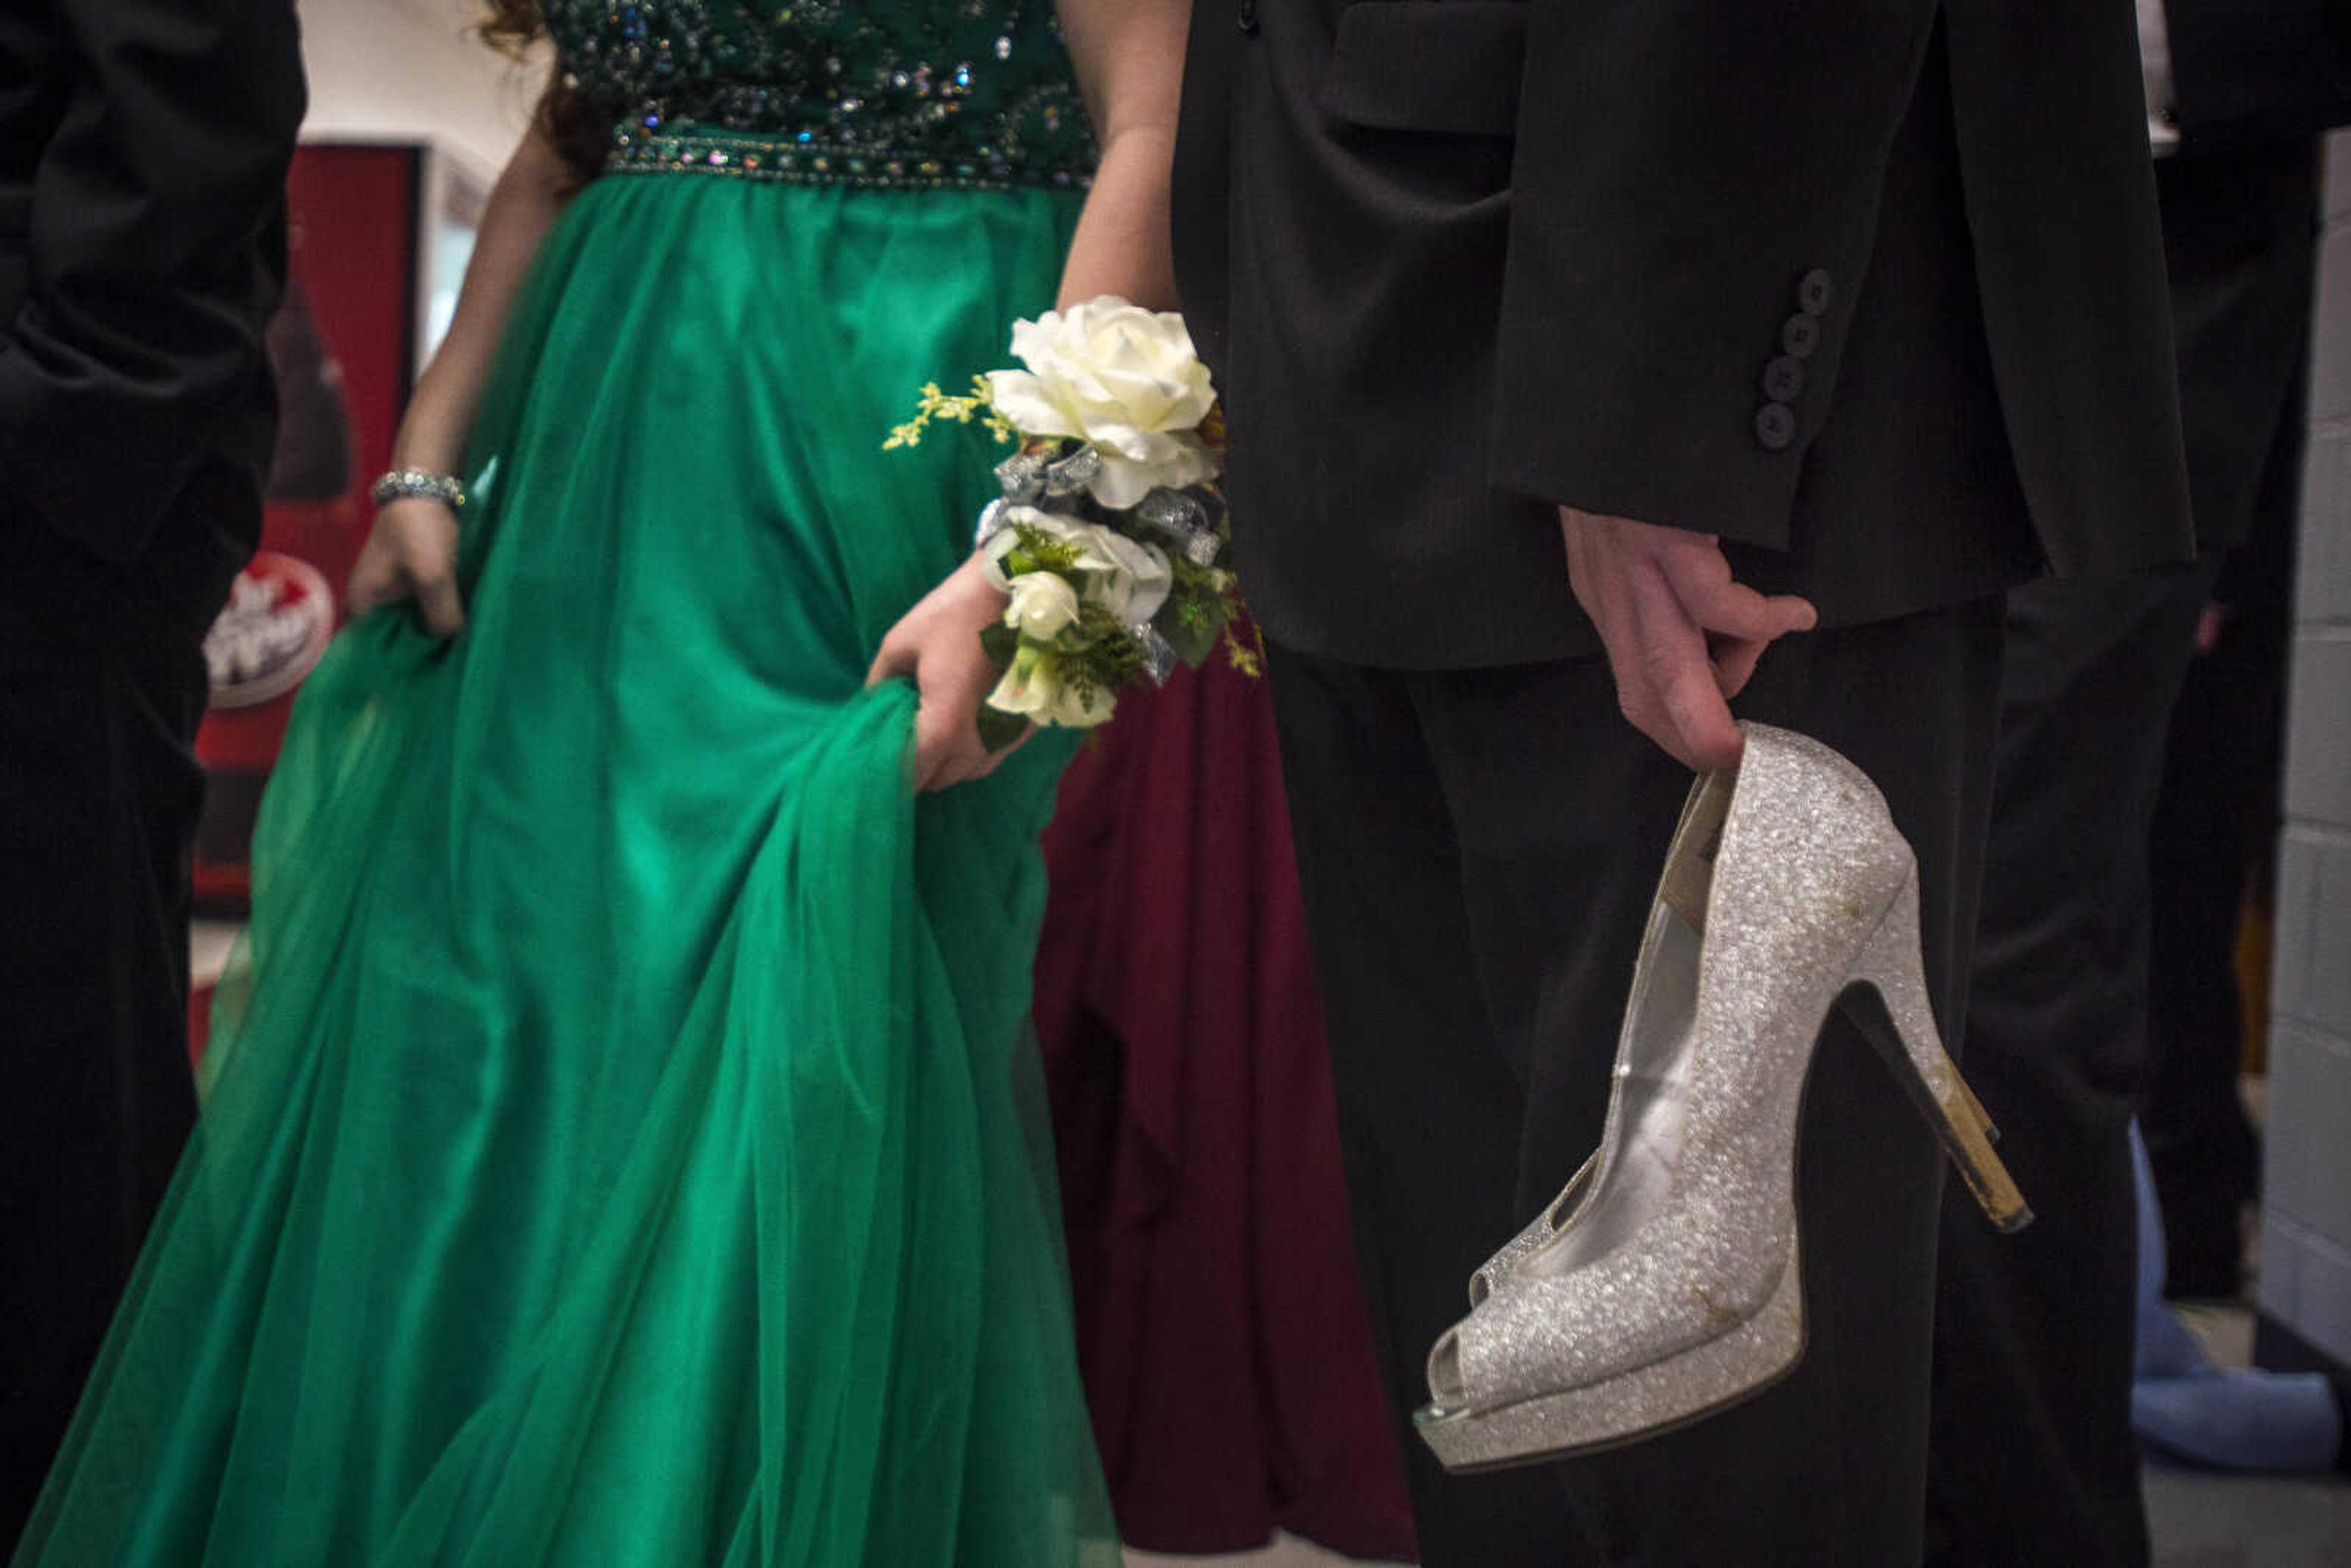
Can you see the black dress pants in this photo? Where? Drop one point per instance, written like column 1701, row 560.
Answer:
column 101, row 687
column 1478, row 851
column 2034, row 1462
column 2035, row 1458
column 2216, row 821
column 2239, row 241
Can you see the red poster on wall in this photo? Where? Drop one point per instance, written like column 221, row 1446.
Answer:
column 367, row 226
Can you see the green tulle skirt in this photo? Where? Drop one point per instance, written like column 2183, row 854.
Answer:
column 624, row 1145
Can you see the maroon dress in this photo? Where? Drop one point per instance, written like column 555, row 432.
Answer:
column 1220, row 1321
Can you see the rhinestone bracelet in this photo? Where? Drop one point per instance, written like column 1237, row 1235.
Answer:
column 414, row 484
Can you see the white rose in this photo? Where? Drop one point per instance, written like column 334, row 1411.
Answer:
column 1043, row 605
column 1007, row 538
column 1017, row 520
column 1129, row 579
column 1124, row 380
column 1137, row 582
column 1033, row 689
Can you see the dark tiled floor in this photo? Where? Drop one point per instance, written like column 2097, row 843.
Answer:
column 2198, row 1520
column 2201, row 1521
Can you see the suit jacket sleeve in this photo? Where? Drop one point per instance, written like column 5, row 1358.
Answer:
column 157, row 255
column 2245, row 72
column 1680, row 167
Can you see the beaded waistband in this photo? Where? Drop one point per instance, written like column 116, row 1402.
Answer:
column 806, row 161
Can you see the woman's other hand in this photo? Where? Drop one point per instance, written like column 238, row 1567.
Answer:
column 412, row 553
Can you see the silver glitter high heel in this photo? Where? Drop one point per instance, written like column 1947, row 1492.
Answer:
column 1554, row 1218
column 1558, row 1214
column 1664, row 1284
column 1685, row 859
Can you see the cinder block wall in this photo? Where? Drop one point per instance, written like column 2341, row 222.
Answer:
column 2305, row 1282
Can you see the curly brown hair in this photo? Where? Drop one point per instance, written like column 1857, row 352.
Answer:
column 512, row 26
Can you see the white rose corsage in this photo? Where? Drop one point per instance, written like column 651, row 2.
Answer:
column 1111, row 537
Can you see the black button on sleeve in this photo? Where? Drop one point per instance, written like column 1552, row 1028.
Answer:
column 1816, row 292
column 1775, row 426
column 1783, row 379
column 1800, row 335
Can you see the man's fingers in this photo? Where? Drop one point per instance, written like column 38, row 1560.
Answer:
column 1648, row 640
column 1579, row 565
column 1705, row 736
column 1683, row 634
column 1686, row 707
column 1734, row 662
column 1735, row 610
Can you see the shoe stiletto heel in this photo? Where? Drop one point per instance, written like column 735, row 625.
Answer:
column 1663, row 1283
column 1976, row 1109
column 1906, row 1036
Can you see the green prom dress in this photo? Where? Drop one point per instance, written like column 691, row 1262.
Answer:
column 624, row 1145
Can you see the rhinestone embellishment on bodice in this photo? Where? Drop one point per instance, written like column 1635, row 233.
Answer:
column 888, row 92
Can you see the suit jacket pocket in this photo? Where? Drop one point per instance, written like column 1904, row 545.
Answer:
column 1447, row 66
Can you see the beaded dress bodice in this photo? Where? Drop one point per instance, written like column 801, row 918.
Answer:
column 872, row 92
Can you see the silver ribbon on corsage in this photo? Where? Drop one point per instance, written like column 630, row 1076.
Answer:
column 1158, row 653
column 1183, row 518
column 1073, row 473
column 1124, row 576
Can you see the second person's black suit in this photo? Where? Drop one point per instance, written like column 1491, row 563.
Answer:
column 1549, row 252
column 143, row 148
column 1878, row 299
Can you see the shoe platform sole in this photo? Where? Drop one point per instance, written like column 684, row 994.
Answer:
column 1644, row 1402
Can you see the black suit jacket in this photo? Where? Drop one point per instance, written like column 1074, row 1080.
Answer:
column 2251, row 71
column 1872, row 292
column 143, row 149
column 2253, row 83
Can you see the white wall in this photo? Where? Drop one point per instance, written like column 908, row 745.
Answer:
column 409, row 70
column 2306, row 1283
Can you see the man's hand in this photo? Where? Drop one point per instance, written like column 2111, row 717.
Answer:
column 936, row 644
column 1682, row 637
column 410, row 553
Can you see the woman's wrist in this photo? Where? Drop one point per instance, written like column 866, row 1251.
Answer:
column 410, row 484
column 971, row 577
